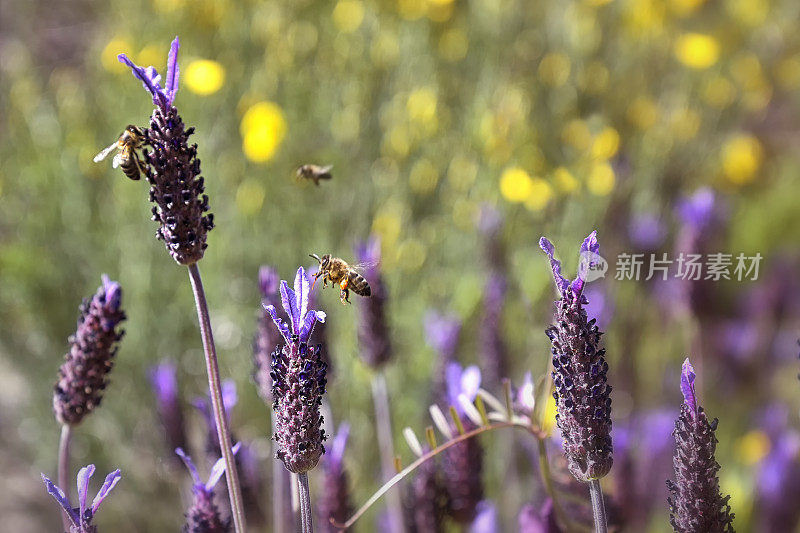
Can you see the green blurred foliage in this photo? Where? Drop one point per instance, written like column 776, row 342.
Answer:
column 421, row 106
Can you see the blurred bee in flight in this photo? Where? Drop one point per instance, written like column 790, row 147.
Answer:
column 338, row 271
column 315, row 173
column 131, row 140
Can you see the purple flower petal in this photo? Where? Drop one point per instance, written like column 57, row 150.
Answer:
column 58, row 494
column 190, row 465
column 289, row 301
column 229, row 396
column 308, row 326
column 441, row 332
column 219, row 468
column 453, row 378
column 697, row 210
column 301, row 286
column 486, row 519
column 561, row 282
column 84, row 474
column 687, row 386
column 589, row 246
column 159, row 98
column 525, row 394
column 339, row 442
column 173, row 71
column 164, row 380
column 113, row 292
column 282, row 327
column 111, row 481
column 470, row 382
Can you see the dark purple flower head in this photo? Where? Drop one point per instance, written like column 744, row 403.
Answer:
column 172, row 169
column 687, row 387
column 582, row 394
column 462, row 382
column 164, row 380
column 83, row 376
column 695, row 501
column 203, row 516
column 590, row 244
column 150, row 78
column 295, row 303
column 81, row 516
column 298, row 376
column 697, row 211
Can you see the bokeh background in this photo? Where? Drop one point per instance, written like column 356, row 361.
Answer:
column 558, row 116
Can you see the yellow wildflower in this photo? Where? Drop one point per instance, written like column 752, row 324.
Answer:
column 515, row 184
column 204, row 76
column 263, row 128
column 348, row 15
column 601, row 179
column 741, row 159
column 696, row 50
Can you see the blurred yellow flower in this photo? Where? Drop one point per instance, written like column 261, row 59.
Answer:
column 108, row 57
column 204, row 76
column 411, row 9
column 397, row 142
column 554, row 69
column 565, row 181
column 685, row 7
column 696, row 50
column 576, row 133
column 540, row 196
column 167, row 6
column 752, row 447
column 348, row 15
column 601, row 179
column 250, row 197
column 684, row 124
column 421, row 105
column 643, row 113
column 595, row 78
column 751, row 13
column 515, row 184
column 462, row 173
column 741, row 158
column 605, row 144
column 387, row 225
column 263, row 128
column 411, row 254
column 423, row 177
column 453, row 45
column 439, row 10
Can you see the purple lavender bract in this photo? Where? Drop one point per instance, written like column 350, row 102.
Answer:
column 81, row 517
column 298, row 381
column 335, row 497
column 82, row 378
column 695, row 501
column 582, row 395
column 203, row 516
column 164, row 380
column 266, row 337
column 173, row 169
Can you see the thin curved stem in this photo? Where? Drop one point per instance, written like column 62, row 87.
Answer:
column 547, row 480
column 212, row 368
column 598, row 507
column 383, row 423
column 63, row 469
column 305, row 503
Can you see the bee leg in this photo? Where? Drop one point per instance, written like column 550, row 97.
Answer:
column 344, row 296
column 316, row 277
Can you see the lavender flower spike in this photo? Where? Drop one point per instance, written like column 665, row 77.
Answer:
column 335, row 498
column 373, row 330
column 203, row 516
column 583, row 397
column 81, row 517
column 173, row 169
column 164, row 380
column 462, row 464
column 83, row 376
column 695, row 501
column 298, row 381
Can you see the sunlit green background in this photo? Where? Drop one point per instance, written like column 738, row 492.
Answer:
column 565, row 115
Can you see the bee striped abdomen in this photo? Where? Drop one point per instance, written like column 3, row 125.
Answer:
column 359, row 285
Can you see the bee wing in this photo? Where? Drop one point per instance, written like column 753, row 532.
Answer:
column 325, row 170
column 365, row 265
column 117, row 160
column 102, row 155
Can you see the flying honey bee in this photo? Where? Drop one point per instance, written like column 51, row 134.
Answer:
column 315, row 173
column 338, row 271
column 129, row 141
